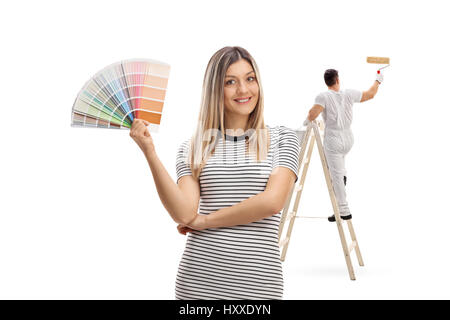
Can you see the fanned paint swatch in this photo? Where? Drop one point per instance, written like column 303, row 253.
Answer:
column 122, row 92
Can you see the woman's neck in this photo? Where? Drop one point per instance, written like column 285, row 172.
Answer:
column 236, row 123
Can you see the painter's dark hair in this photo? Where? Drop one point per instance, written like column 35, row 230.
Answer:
column 330, row 76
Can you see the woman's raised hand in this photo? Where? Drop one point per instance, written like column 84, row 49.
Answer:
column 141, row 135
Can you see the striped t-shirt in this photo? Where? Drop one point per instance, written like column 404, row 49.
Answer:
column 243, row 261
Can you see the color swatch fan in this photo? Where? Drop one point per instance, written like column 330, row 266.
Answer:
column 122, row 92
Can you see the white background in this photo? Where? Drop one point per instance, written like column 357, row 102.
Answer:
column 80, row 217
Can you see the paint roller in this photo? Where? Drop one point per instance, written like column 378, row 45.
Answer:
column 379, row 60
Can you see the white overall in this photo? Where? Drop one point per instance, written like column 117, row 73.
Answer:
column 338, row 139
column 337, row 143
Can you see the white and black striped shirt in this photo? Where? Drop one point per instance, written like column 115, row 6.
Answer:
column 243, row 261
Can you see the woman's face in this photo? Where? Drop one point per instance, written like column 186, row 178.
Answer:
column 241, row 90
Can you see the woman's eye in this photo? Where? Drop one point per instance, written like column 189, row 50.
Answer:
column 251, row 78
column 229, row 82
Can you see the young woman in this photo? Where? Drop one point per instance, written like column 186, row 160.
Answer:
column 233, row 178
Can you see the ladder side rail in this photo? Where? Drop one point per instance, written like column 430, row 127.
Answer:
column 355, row 242
column 300, row 170
column 297, row 198
column 326, row 171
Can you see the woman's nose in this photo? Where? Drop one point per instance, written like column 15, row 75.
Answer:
column 242, row 87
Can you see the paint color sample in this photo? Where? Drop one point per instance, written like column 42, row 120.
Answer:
column 122, row 92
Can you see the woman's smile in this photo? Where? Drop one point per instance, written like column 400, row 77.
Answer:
column 242, row 100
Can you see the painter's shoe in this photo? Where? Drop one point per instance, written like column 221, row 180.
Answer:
column 333, row 218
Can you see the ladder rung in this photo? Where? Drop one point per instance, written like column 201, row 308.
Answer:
column 311, row 217
column 298, row 188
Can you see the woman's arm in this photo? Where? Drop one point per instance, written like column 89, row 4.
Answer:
column 263, row 205
column 181, row 201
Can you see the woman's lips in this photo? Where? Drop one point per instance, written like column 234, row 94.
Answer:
column 243, row 100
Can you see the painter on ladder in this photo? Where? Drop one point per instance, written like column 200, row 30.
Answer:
column 336, row 107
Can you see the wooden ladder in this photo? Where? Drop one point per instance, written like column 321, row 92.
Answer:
column 308, row 139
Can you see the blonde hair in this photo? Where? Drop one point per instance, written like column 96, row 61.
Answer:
column 211, row 117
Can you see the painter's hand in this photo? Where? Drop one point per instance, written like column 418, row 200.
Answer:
column 380, row 77
column 141, row 135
